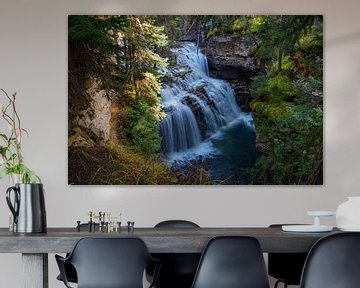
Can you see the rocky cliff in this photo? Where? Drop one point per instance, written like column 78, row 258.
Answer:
column 233, row 59
column 93, row 122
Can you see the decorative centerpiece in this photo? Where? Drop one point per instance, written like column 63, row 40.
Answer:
column 26, row 197
column 348, row 214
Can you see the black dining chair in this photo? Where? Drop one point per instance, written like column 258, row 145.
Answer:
column 178, row 269
column 232, row 262
column 333, row 262
column 285, row 267
column 70, row 271
column 108, row 263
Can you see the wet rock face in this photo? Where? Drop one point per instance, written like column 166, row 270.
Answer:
column 174, row 73
column 242, row 93
column 198, row 92
column 231, row 58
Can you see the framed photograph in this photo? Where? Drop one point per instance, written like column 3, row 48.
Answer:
column 195, row 100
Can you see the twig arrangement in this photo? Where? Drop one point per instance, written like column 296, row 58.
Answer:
column 11, row 159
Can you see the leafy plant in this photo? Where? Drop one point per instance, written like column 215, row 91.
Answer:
column 287, row 105
column 11, row 159
column 273, row 88
column 142, row 128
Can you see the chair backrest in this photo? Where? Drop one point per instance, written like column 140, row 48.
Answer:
column 178, row 269
column 110, row 262
column 333, row 262
column 286, row 267
column 176, row 224
column 232, row 262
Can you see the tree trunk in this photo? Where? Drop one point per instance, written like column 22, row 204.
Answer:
column 280, row 57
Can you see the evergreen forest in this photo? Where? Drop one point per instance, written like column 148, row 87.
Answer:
column 195, row 100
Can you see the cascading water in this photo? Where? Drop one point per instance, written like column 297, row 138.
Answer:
column 180, row 129
column 199, row 108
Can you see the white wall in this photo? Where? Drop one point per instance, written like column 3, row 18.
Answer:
column 33, row 62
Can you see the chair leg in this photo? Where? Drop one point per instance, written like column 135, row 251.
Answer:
column 279, row 281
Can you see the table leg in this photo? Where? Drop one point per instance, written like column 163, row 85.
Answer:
column 35, row 270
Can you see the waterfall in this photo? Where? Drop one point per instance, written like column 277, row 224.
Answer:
column 197, row 106
column 179, row 129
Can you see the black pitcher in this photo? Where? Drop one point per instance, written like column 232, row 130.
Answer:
column 28, row 207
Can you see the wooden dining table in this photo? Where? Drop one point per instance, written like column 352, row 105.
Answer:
column 35, row 247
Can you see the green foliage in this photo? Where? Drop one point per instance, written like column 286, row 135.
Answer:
column 141, row 127
column 172, row 25
column 142, row 108
column 154, row 34
column 274, row 89
column 282, row 34
column 287, row 105
column 286, row 64
column 120, row 53
column 238, row 25
column 141, row 38
column 93, row 44
column 149, row 88
column 234, row 25
column 291, row 146
column 255, row 23
column 271, row 111
column 281, row 88
column 290, row 139
column 26, row 175
column 311, row 90
column 278, row 30
column 145, row 136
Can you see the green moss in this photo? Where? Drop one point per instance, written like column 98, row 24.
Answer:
column 238, row 26
column 273, row 88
